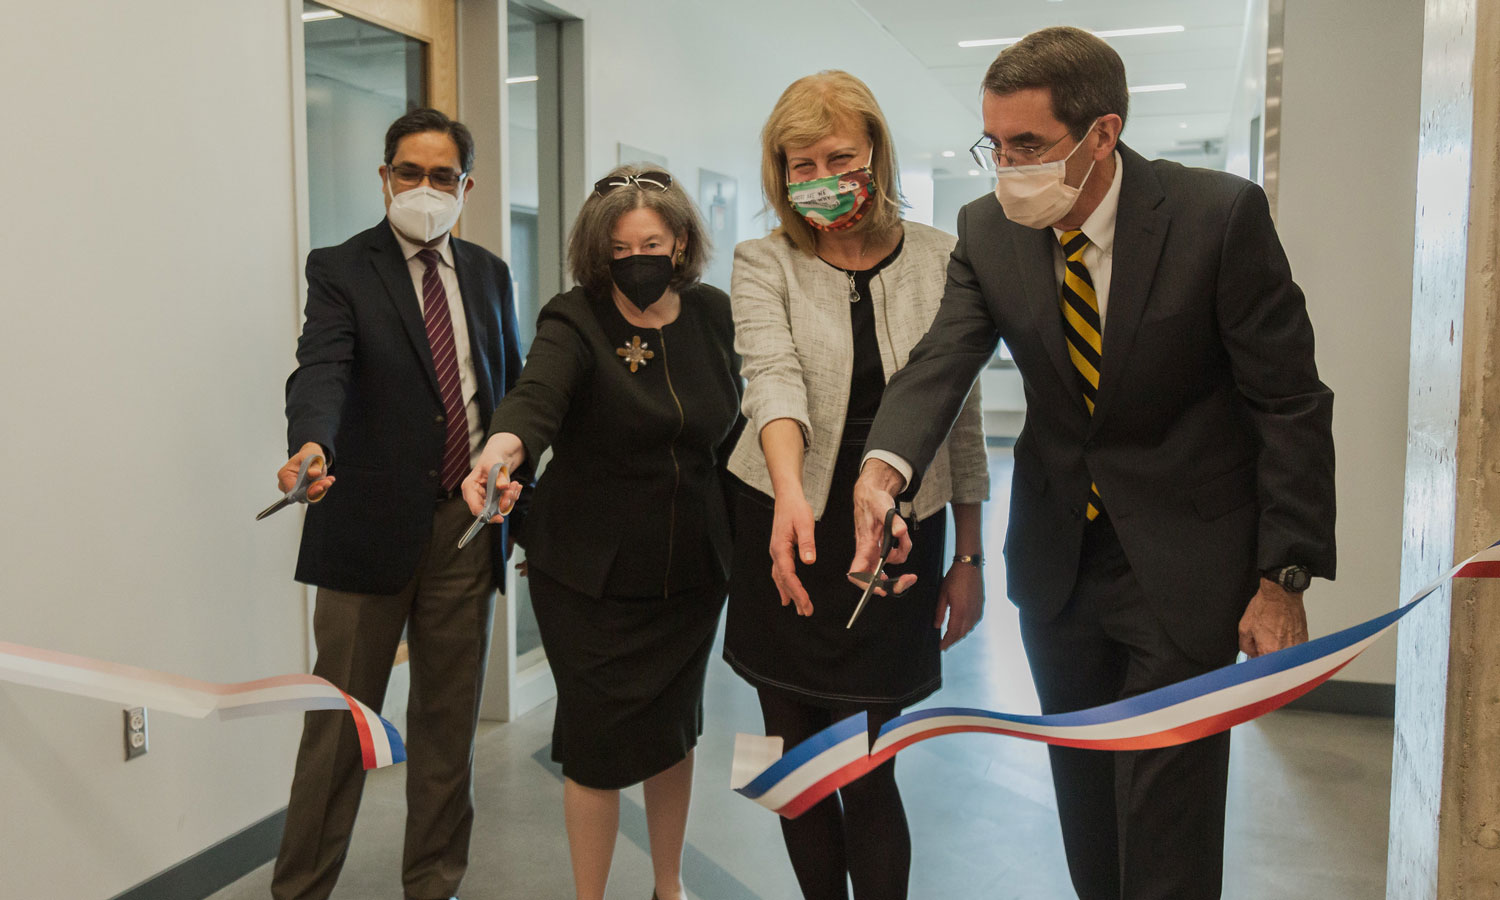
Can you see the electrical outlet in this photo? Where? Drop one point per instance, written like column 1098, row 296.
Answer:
column 136, row 743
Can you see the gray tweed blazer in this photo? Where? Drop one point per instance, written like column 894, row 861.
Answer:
column 792, row 330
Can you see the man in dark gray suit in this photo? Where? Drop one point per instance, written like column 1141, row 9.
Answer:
column 1173, row 487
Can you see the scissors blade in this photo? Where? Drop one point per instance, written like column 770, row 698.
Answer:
column 276, row 507
column 478, row 526
column 887, row 541
column 863, row 599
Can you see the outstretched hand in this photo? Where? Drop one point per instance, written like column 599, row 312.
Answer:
column 319, row 479
column 874, row 495
column 791, row 540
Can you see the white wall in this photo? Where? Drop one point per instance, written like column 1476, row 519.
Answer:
column 150, row 296
column 1347, row 212
column 695, row 81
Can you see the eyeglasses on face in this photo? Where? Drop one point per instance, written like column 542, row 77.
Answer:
column 409, row 176
column 659, row 181
column 988, row 156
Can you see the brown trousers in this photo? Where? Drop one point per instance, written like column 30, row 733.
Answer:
column 446, row 610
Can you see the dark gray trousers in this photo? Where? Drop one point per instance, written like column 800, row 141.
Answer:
column 1139, row 824
column 446, row 610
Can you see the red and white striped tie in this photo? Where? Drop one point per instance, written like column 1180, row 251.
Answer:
column 445, row 360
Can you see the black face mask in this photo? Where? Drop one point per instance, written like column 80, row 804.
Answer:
column 642, row 278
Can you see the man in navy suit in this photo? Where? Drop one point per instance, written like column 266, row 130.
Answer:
column 409, row 343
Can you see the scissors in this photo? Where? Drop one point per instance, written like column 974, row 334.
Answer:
column 873, row 579
column 498, row 473
column 298, row 493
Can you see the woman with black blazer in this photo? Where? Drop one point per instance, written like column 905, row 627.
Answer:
column 631, row 381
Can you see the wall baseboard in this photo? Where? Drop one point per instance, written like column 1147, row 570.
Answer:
column 216, row 867
column 1355, row 698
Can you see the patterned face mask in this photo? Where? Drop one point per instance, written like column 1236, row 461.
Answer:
column 833, row 202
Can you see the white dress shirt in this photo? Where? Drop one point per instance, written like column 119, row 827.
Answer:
column 1098, row 256
column 467, row 384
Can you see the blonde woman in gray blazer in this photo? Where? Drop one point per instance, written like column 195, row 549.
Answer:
column 826, row 309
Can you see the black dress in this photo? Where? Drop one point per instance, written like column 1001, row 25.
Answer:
column 627, row 535
column 891, row 654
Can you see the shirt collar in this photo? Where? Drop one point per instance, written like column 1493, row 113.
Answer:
column 1100, row 225
column 410, row 249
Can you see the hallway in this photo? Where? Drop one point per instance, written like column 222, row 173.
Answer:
column 1307, row 806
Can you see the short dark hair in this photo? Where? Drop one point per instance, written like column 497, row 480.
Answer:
column 427, row 119
column 590, row 249
column 1084, row 75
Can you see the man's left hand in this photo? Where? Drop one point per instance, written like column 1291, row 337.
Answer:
column 1274, row 620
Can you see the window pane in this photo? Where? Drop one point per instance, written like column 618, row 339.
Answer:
column 360, row 78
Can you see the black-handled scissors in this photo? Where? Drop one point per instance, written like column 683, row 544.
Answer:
column 298, row 493
column 874, row 579
column 498, row 473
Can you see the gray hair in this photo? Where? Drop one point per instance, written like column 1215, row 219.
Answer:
column 589, row 245
column 1084, row 75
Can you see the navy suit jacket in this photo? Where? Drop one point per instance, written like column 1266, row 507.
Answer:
column 1211, row 442
column 365, row 388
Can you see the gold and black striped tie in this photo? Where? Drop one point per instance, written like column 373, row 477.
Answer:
column 1084, row 331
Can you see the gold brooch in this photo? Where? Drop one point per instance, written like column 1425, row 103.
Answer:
column 635, row 353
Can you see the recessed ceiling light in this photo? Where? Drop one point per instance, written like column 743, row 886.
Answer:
column 1153, row 88
column 949, row 154
column 318, row 15
column 1181, row 124
column 1118, row 32
column 523, row 79
column 974, row 172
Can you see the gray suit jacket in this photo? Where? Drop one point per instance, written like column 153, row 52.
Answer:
column 1211, row 443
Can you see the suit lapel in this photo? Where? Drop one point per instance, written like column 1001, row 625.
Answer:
column 1140, row 231
column 471, row 293
column 1037, row 273
column 385, row 256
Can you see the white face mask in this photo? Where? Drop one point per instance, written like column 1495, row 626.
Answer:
column 1037, row 196
column 423, row 213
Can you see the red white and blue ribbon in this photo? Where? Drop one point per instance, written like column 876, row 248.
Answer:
column 1210, row 703
column 380, row 744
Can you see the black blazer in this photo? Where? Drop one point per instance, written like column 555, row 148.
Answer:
column 631, row 502
column 365, row 389
column 1211, row 443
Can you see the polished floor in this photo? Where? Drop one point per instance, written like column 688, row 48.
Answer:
column 1307, row 808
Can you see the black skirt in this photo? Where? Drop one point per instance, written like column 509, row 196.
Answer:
column 629, row 674
column 891, row 654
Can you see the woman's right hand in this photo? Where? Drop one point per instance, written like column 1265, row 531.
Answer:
column 503, row 448
column 791, row 539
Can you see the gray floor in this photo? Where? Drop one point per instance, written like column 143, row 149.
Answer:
column 1307, row 807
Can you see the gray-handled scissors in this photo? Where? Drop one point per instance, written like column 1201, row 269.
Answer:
column 498, row 474
column 298, row 493
column 874, row 579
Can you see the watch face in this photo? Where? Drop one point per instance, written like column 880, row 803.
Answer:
column 1295, row 579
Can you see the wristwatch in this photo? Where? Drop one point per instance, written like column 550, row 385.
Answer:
column 1291, row 578
column 974, row 559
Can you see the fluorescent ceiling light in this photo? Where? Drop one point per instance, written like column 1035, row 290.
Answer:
column 949, row 154
column 974, row 172
column 1153, row 88
column 522, row 79
column 1117, row 32
column 1132, row 32
column 319, row 15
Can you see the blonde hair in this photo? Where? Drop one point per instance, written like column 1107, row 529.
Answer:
column 810, row 109
column 590, row 248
